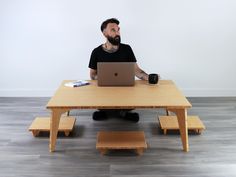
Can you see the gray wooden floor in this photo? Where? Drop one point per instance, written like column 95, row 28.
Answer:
column 212, row 154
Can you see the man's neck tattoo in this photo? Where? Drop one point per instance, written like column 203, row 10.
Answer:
column 111, row 50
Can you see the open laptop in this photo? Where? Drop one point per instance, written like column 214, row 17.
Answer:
column 116, row 73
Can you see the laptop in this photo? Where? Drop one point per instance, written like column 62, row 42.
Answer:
column 116, row 73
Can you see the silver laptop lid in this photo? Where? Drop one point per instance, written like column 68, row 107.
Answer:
column 116, row 73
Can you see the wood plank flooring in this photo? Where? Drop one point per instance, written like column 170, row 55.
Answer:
column 212, row 154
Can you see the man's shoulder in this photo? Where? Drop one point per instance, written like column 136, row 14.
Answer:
column 98, row 48
column 124, row 45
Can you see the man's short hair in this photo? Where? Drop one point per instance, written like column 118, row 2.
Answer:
column 111, row 20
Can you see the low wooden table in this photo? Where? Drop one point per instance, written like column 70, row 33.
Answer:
column 121, row 140
column 42, row 124
column 165, row 94
column 171, row 123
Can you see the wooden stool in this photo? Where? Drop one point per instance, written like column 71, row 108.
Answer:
column 121, row 140
column 171, row 123
column 43, row 124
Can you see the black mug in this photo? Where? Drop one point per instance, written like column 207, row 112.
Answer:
column 153, row 78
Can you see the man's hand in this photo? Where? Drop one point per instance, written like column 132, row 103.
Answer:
column 140, row 73
column 93, row 74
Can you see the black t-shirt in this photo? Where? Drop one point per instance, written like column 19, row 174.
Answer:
column 123, row 54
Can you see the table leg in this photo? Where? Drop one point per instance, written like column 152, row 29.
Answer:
column 54, row 124
column 183, row 126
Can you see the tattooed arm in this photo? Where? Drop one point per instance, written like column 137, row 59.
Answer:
column 140, row 73
column 93, row 74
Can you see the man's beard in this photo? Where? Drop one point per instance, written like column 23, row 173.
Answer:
column 114, row 40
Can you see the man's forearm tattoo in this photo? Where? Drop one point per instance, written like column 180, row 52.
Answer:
column 94, row 77
column 142, row 74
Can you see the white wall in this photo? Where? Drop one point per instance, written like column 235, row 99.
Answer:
column 192, row 42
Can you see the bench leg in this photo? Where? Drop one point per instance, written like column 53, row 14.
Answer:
column 35, row 133
column 139, row 151
column 199, row 131
column 66, row 133
column 167, row 112
column 103, row 151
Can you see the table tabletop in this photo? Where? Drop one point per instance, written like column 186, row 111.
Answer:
column 165, row 94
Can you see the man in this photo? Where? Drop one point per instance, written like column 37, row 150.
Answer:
column 114, row 51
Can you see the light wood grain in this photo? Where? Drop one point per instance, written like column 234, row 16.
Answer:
column 107, row 140
column 142, row 95
column 121, row 139
column 54, row 124
column 181, row 115
column 42, row 124
column 171, row 123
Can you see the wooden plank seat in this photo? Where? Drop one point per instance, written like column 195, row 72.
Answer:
column 111, row 140
column 171, row 123
column 42, row 124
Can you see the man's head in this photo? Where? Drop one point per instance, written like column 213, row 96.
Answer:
column 111, row 30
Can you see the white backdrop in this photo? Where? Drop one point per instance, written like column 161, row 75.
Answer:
column 192, row 42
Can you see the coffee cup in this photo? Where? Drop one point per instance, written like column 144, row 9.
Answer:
column 153, row 78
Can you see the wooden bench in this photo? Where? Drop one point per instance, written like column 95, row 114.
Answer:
column 42, row 124
column 171, row 123
column 121, row 140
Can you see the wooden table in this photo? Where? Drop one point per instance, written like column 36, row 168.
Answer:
column 163, row 95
